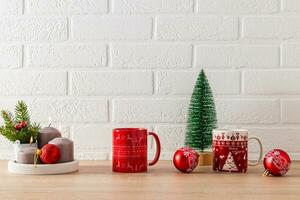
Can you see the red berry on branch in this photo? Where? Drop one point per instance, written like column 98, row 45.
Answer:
column 23, row 124
column 20, row 125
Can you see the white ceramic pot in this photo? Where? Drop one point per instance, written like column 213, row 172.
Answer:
column 18, row 147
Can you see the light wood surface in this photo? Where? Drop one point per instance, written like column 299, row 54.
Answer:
column 96, row 181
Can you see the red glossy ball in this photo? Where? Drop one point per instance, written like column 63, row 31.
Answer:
column 277, row 162
column 185, row 159
column 50, row 154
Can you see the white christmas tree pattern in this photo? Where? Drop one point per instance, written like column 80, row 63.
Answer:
column 229, row 164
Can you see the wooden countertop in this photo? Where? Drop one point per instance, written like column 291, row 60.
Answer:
column 96, row 181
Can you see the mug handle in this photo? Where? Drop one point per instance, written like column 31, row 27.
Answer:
column 158, row 148
column 260, row 151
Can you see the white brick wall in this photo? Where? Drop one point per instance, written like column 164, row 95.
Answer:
column 11, row 7
column 248, row 111
column 75, row 55
column 268, row 82
column 196, row 28
column 275, row 27
column 67, row 6
column 237, row 56
column 238, row 6
column 290, row 5
column 22, row 28
column 94, row 65
column 152, row 56
column 290, row 55
column 149, row 110
column 10, row 56
column 111, row 27
column 33, row 83
column 112, row 83
column 150, row 6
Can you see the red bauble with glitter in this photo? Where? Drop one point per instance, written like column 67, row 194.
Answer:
column 277, row 162
column 49, row 154
column 185, row 159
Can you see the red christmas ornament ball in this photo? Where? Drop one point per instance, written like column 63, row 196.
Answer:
column 49, row 154
column 185, row 159
column 277, row 162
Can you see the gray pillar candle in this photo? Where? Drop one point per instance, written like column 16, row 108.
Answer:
column 26, row 155
column 47, row 134
column 66, row 149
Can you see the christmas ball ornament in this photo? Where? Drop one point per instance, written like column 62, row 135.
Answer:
column 276, row 162
column 185, row 159
column 49, row 154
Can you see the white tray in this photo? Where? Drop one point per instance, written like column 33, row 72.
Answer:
column 59, row 168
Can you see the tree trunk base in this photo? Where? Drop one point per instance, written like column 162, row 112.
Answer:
column 205, row 158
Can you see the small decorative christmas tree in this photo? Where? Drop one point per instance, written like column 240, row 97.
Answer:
column 19, row 127
column 202, row 117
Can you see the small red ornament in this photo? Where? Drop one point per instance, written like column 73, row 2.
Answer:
column 49, row 154
column 20, row 125
column 185, row 159
column 276, row 162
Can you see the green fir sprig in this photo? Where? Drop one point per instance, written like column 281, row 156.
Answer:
column 21, row 112
column 12, row 128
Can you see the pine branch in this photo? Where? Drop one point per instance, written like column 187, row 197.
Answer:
column 21, row 112
column 9, row 133
column 34, row 129
column 10, row 130
column 8, row 118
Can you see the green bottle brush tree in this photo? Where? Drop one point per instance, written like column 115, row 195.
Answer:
column 19, row 127
column 202, row 118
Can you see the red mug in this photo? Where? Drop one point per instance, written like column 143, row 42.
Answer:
column 130, row 150
column 230, row 150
